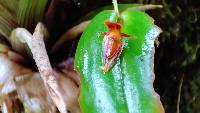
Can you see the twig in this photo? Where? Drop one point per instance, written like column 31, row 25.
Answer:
column 37, row 46
column 146, row 7
column 179, row 94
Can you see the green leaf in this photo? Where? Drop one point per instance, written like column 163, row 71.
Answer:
column 128, row 86
column 20, row 13
column 30, row 12
column 7, row 19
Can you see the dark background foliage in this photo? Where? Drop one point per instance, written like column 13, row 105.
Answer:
column 177, row 56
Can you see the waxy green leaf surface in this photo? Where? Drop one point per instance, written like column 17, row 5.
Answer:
column 128, row 86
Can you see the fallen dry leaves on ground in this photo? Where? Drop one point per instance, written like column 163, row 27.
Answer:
column 20, row 86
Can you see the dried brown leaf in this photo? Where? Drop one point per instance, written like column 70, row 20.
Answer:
column 28, row 87
column 7, row 106
column 31, row 91
column 70, row 92
column 8, row 69
column 67, row 67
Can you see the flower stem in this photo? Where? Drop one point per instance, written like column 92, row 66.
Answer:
column 116, row 7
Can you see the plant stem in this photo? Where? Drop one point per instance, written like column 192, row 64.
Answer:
column 116, row 7
column 179, row 95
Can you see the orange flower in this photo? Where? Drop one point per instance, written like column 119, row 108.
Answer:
column 112, row 44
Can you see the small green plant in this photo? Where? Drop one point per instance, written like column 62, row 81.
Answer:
column 127, row 87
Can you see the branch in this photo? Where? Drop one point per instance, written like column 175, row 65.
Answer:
column 146, row 7
column 179, row 95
